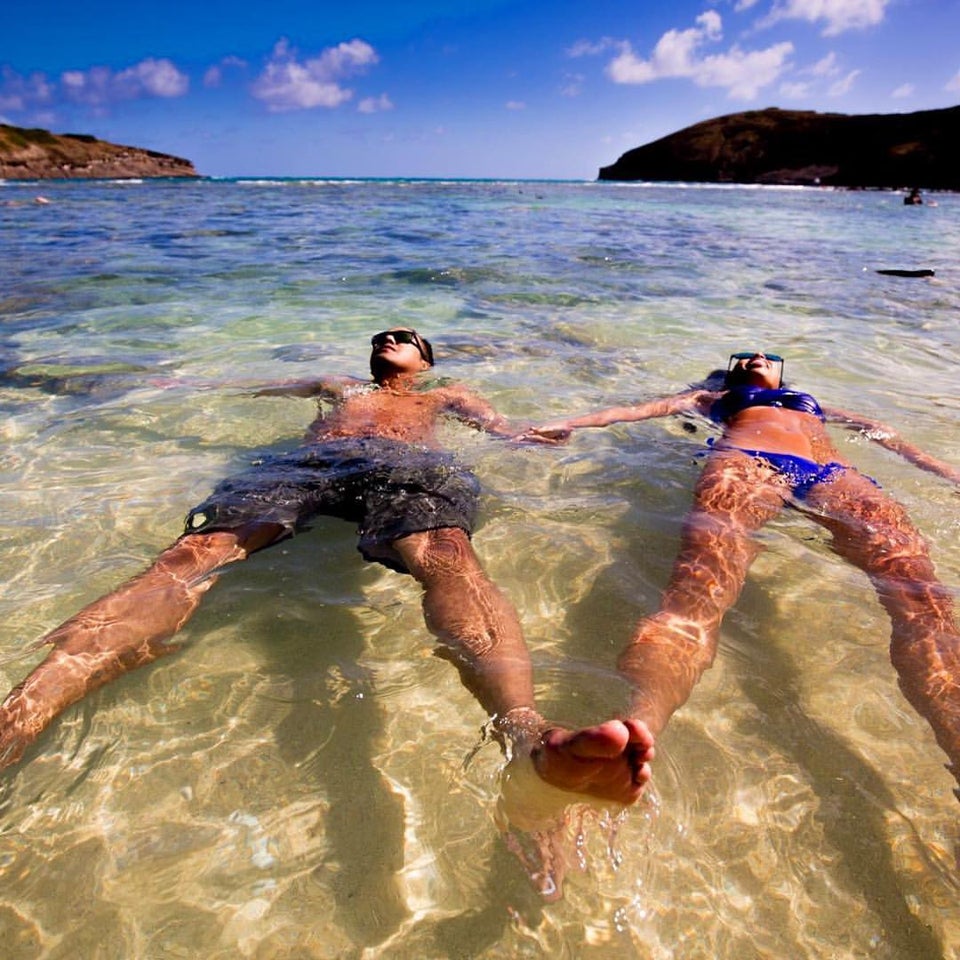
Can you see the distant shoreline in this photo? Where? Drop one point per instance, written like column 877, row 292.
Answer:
column 321, row 180
column 801, row 147
column 37, row 154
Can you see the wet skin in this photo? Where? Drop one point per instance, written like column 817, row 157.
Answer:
column 476, row 627
column 735, row 496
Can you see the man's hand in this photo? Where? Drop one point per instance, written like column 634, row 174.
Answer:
column 550, row 433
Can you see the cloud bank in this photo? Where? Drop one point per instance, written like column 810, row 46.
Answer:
column 99, row 86
column 679, row 54
column 286, row 83
column 838, row 16
column 96, row 87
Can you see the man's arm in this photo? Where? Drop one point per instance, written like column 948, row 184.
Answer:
column 329, row 388
column 332, row 388
column 888, row 437
column 478, row 413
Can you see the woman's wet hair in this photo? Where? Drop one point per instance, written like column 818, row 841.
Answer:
column 721, row 379
column 714, row 380
column 736, row 376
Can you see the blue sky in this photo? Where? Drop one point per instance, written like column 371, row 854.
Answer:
column 472, row 88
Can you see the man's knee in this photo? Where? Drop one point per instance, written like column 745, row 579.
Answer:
column 443, row 552
column 230, row 544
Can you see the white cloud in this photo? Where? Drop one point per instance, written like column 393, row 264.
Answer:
column 743, row 74
column 827, row 67
column 838, row 15
column 677, row 55
column 158, row 78
column 572, row 85
column 375, row 104
column 591, row 48
column 288, row 84
column 903, row 91
column 953, row 85
column 100, row 86
column 214, row 75
column 516, row 105
column 18, row 93
column 795, row 91
column 842, row 87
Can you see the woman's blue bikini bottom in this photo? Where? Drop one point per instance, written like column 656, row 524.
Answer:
column 802, row 474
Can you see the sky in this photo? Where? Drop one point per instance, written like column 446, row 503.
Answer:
column 539, row 89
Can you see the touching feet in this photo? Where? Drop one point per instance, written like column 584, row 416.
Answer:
column 610, row 761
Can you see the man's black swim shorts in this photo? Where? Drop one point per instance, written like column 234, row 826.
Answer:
column 388, row 488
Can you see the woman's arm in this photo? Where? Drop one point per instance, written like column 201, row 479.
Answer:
column 698, row 400
column 889, row 438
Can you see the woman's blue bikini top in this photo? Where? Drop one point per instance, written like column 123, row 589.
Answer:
column 739, row 398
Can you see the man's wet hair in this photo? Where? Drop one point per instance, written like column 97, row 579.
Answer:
column 427, row 349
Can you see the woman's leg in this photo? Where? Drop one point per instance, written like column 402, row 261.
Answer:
column 121, row 631
column 734, row 497
column 873, row 531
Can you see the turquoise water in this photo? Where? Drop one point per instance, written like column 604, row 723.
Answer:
column 304, row 779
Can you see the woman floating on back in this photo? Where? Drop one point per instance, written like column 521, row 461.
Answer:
column 775, row 451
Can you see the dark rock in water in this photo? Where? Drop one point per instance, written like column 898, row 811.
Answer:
column 93, row 377
column 907, row 273
column 803, row 147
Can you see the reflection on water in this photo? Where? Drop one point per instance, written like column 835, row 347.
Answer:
column 305, row 779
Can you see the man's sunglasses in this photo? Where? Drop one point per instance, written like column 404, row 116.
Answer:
column 398, row 336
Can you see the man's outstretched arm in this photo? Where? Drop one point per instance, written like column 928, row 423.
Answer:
column 329, row 388
column 478, row 413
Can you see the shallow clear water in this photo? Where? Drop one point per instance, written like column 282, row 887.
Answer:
column 304, row 779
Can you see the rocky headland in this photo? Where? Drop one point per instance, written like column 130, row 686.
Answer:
column 776, row 146
column 35, row 154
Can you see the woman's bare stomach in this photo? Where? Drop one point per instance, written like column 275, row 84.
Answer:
column 772, row 430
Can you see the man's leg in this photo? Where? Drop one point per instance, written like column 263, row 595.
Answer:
column 121, row 631
column 480, row 633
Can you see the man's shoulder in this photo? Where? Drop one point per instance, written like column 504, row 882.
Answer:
column 444, row 388
column 346, row 387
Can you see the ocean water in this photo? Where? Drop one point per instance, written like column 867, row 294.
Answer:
column 304, row 778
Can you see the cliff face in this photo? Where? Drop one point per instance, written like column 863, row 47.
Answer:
column 802, row 147
column 40, row 155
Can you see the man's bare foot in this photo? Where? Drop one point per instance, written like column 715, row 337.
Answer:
column 610, row 761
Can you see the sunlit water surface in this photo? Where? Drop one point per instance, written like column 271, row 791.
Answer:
column 304, row 779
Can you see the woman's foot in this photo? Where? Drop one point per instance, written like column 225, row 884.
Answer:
column 610, row 761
